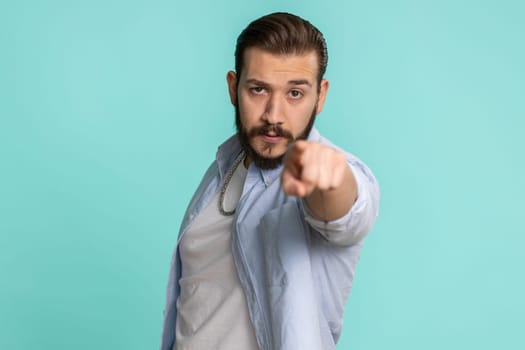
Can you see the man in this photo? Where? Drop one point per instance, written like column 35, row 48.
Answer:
column 268, row 247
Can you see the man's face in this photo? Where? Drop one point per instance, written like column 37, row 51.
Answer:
column 276, row 99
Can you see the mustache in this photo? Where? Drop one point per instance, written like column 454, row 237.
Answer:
column 275, row 129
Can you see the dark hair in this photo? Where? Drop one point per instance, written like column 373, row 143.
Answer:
column 282, row 33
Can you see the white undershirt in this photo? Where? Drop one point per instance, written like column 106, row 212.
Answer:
column 212, row 309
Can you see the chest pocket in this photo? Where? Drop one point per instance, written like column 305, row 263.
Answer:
column 285, row 245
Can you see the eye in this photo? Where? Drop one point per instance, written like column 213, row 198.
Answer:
column 295, row 94
column 257, row 90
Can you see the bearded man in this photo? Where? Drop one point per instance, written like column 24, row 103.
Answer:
column 268, row 247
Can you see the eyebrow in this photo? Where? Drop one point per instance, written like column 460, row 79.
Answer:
column 300, row 82
column 290, row 82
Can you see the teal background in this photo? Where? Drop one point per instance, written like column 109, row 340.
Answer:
column 110, row 111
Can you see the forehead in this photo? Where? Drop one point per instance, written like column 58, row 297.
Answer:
column 263, row 65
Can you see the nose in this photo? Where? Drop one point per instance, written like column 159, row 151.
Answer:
column 273, row 113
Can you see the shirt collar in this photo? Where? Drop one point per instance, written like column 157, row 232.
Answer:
column 226, row 154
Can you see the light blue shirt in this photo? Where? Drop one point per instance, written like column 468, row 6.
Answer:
column 296, row 271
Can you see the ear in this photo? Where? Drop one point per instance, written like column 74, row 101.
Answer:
column 231, row 79
column 322, row 95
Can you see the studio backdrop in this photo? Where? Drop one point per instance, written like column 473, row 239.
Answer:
column 110, row 112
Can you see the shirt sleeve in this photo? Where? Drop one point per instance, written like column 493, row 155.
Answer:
column 359, row 220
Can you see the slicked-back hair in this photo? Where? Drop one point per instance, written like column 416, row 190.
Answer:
column 284, row 34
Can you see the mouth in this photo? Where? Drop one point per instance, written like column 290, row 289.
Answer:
column 271, row 137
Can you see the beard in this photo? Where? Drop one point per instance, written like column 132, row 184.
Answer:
column 245, row 136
